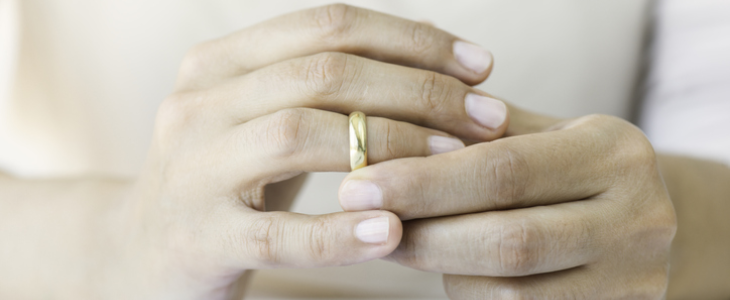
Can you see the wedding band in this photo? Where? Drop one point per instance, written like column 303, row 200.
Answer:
column 358, row 141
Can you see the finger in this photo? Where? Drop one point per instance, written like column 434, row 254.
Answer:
column 570, row 284
column 522, row 171
column 506, row 243
column 526, row 122
column 339, row 28
column 310, row 140
column 257, row 240
column 345, row 83
column 579, row 283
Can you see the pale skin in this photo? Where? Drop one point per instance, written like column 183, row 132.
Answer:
column 558, row 209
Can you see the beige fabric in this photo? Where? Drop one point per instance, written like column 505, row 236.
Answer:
column 91, row 73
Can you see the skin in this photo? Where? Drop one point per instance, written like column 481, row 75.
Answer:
column 562, row 209
column 583, row 203
column 577, row 210
column 195, row 221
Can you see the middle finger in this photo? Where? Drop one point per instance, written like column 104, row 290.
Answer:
column 344, row 83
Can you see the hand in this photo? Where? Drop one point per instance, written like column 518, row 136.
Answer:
column 570, row 209
column 267, row 103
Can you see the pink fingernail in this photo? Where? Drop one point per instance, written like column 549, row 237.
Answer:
column 442, row 144
column 486, row 111
column 359, row 195
column 472, row 57
column 373, row 231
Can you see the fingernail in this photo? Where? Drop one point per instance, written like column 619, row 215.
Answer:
column 373, row 231
column 486, row 111
column 472, row 57
column 442, row 144
column 359, row 195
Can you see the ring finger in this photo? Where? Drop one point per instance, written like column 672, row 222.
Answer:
column 310, row 140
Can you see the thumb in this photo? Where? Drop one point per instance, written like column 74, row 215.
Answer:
column 285, row 239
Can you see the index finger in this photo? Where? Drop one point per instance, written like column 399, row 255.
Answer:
column 338, row 28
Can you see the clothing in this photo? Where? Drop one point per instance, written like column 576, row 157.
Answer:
column 90, row 74
column 687, row 105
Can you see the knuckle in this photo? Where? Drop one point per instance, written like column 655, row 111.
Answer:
column 333, row 21
column 517, row 248
column 639, row 150
column 261, row 241
column 506, row 174
column 170, row 113
column 320, row 244
column 175, row 112
column 285, row 132
column 629, row 145
column 421, row 38
column 195, row 61
column 434, row 92
column 325, row 73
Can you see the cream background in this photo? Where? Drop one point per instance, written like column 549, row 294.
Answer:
column 90, row 74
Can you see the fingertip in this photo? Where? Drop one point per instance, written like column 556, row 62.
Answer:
column 379, row 233
column 502, row 130
column 472, row 64
column 490, row 116
column 377, row 228
column 396, row 231
column 359, row 195
column 443, row 144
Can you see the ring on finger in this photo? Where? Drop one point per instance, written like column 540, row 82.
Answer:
column 358, row 141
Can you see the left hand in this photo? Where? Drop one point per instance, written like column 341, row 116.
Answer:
column 571, row 209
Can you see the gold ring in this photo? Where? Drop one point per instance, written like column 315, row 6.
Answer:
column 358, row 141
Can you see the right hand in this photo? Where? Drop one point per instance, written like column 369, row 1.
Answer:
column 265, row 104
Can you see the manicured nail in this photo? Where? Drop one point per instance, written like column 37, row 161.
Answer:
column 486, row 111
column 359, row 195
column 442, row 144
column 472, row 57
column 373, row 231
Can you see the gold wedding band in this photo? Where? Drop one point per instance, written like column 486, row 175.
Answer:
column 358, row 141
